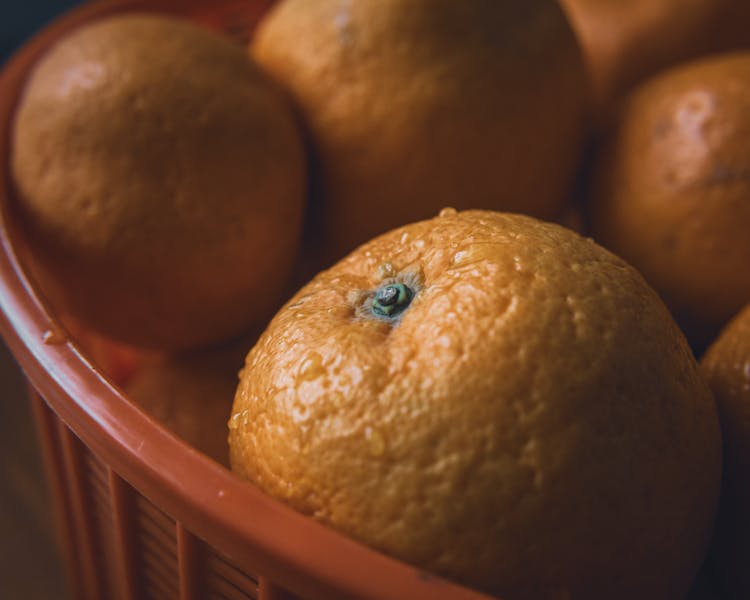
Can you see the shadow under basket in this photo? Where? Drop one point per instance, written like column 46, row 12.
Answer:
column 140, row 513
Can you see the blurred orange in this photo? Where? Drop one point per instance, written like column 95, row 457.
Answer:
column 626, row 41
column 412, row 106
column 161, row 179
column 671, row 186
column 727, row 368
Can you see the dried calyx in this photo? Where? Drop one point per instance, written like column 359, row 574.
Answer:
column 389, row 300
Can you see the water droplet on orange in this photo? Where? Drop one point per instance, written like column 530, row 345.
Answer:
column 238, row 419
column 311, row 368
column 386, row 270
column 472, row 254
column 459, row 257
column 375, row 441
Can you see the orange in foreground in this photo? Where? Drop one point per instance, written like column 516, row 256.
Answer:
column 494, row 399
column 412, row 106
column 161, row 179
column 671, row 187
column 727, row 367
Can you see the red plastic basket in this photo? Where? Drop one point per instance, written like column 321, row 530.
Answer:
column 141, row 514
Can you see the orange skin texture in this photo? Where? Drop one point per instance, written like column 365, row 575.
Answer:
column 411, row 106
column 671, row 185
column 534, row 426
column 627, row 41
column 726, row 365
column 161, row 181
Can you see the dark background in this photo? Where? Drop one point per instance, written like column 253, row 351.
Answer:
column 21, row 18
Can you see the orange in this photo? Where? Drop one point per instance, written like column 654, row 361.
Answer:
column 727, row 367
column 161, row 179
column 670, row 189
column 626, row 41
column 412, row 106
column 494, row 399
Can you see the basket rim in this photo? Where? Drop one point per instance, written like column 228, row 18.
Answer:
column 292, row 549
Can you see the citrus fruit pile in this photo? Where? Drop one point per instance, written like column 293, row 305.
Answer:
column 462, row 381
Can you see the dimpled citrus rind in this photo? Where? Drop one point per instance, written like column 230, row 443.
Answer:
column 534, row 425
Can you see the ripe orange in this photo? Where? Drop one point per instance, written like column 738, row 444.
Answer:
column 412, row 106
column 161, row 179
column 727, row 367
column 626, row 41
column 670, row 190
column 494, row 399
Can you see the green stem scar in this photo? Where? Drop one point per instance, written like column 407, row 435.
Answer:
column 391, row 300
